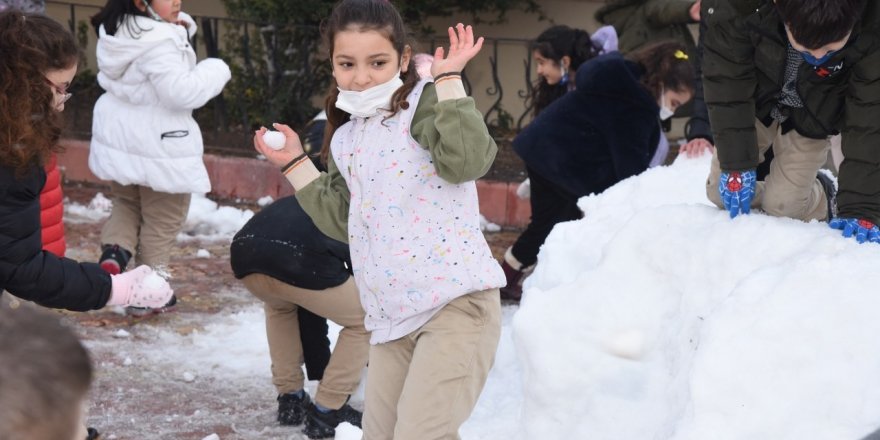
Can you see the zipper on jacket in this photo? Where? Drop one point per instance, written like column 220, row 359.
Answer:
column 175, row 134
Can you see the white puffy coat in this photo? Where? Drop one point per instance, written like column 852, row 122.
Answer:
column 143, row 131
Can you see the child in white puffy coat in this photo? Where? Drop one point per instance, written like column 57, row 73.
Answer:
column 144, row 138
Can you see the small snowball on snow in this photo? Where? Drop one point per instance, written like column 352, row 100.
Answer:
column 127, row 361
column 265, row 201
column 154, row 281
column 347, row 431
column 188, row 377
column 121, row 333
column 629, row 344
column 213, row 437
column 203, row 253
column 274, row 139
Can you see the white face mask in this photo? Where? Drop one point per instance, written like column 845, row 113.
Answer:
column 367, row 103
column 665, row 112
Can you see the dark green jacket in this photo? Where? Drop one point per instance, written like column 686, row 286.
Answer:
column 744, row 59
column 639, row 22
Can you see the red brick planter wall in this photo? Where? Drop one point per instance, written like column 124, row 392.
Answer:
column 250, row 179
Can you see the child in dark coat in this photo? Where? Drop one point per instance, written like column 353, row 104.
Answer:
column 599, row 134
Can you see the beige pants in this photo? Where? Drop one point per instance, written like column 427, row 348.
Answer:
column 145, row 222
column 339, row 304
column 790, row 189
column 425, row 385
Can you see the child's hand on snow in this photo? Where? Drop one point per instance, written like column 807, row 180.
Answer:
column 461, row 49
column 292, row 146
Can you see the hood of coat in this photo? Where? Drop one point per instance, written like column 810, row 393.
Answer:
column 613, row 75
column 135, row 37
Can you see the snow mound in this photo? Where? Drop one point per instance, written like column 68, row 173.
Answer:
column 658, row 317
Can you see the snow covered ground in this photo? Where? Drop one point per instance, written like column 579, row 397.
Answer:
column 654, row 317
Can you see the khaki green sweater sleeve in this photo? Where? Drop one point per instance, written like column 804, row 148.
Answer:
column 455, row 134
column 324, row 197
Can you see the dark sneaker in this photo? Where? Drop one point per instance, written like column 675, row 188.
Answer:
column 144, row 311
column 292, row 408
column 830, row 194
column 114, row 259
column 323, row 425
column 93, row 434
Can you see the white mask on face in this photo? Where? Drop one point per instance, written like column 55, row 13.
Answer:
column 665, row 112
column 367, row 103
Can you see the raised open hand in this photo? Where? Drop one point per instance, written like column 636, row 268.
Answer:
column 461, row 49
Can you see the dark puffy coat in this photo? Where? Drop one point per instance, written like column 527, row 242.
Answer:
column 743, row 64
column 52, row 210
column 282, row 241
column 27, row 271
column 597, row 135
column 641, row 22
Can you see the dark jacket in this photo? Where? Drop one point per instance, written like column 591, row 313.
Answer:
column 697, row 126
column 282, row 241
column 27, row 271
column 641, row 22
column 743, row 65
column 597, row 135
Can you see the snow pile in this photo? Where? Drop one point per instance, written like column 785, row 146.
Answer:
column 658, row 317
column 206, row 218
column 98, row 209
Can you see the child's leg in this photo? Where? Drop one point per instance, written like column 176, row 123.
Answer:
column 389, row 365
column 791, row 189
column 550, row 205
column 125, row 219
column 341, row 305
column 282, row 332
column 163, row 217
column 450, row 361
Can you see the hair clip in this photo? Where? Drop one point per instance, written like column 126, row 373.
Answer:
column 679, row 54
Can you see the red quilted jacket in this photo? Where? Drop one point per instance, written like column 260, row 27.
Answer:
column 52, row 210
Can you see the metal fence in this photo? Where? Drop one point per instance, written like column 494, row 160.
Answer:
column 499, row 79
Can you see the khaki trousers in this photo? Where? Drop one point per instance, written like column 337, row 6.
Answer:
column 425, row 385
column 145, row 222
column 791, row 188
column 339, row 304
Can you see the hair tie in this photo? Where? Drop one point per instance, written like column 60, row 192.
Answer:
column 679, row 54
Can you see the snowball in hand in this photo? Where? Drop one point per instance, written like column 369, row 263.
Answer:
column 274, row 139
column 154, row 281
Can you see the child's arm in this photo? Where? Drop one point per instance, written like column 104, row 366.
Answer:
column 323, row 196
column 176, row 84
column 454, row 132
column 447, row 121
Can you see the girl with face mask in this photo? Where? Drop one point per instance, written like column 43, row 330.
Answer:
column 604, row 131
column 402, row 161
column 557, row 52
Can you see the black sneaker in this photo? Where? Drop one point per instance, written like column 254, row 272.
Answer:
column 144, row 311
column 323, row 424
column 292, row 408
column 93, row 434
column 830, row 194
column 113, row 259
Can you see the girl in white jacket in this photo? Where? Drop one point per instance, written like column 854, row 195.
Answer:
column 144, row 138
